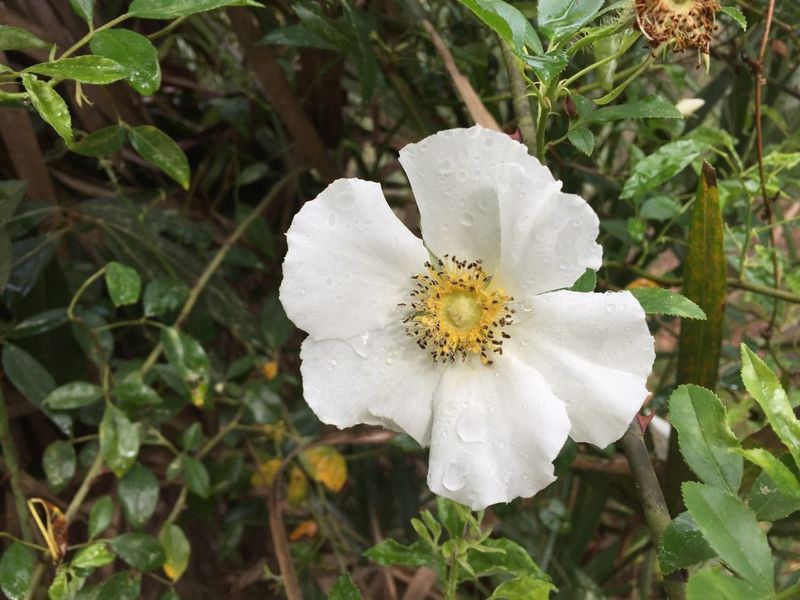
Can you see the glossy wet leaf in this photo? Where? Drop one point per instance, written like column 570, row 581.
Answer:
column 391, row 552
column 100, row 516
column 123, row 283
column 161, row 151
column 163, row 295
column 59, row 461
column 119, row 440
column 731, row 529
column 103, row 142
column 660, row 166
column 506, row 20
column 132, row 391
column 196, row 477
column 84, row 9
column 14, row 38
column 50, row 106
column 651, row 107
column 39, row 323
column 664, row 302
column 190, row 361
column 94, row 555
column 781, row 475
column 766, row 499
column 137, row 55
column 176, row 551
column 142, row 551
column 683, row 545
column 766, row 389
column 171, row 9
column 73, row 395
column 559, row 19
column 86, row 69
column 16, row 570
column 547, row 67
column 138, row 495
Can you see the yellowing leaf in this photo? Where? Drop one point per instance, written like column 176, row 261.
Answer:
column 265, row 474
column 326, row 465
column 270, row 369
column 305, row 529
column 53, row 528
column 298, row 486
column 641, row 282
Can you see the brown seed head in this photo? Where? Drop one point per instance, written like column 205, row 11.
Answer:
column 689, row 22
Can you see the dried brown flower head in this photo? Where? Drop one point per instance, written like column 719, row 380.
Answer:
column 689, row 22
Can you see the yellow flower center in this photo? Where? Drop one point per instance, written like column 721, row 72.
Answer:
column 455, row 312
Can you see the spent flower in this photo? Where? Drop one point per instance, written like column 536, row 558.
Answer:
column 467, row 341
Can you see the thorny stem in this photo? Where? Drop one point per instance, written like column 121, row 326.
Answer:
column 651, row 497
column 519, row 95
column 12, row 464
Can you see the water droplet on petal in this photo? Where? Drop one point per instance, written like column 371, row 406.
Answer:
column 468, row 219
column 527, row 305
column 329, row 281
column 455, row 476
column 471, row 427
column 334, row 362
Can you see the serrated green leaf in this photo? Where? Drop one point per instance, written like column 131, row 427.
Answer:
column 176, row 551
column 123, row 283
column 138, row 495
column 706, row 441
column 732, row 531
column 94, row 555
column 663, row 302
column 16, row 570
column 715, row 583
column 766, row 389
column 103, row 142
column 73, row 395
column 160, row 150
column 582, row 139
column 767, row 501
column 344, row 589
column 547, row 67
column 59, row 461
column 737, row 15
column 100, row 516
column 135, row 53
column 142, row 551
column 391, row 552
column 119, row 440
column 50, row 106
column 172, row 9
column 683, row 545
column 506, row 20
column 559, row 19
column 780, row 474
column 651, row 107
column 86, row 69
column 662, row 165
column 14, row 38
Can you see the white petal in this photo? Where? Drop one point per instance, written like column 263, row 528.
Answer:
column 496, row 431
column 595, row 352
column 378, row 378
column 548, row 237
column 454, row 177
column 349, row 262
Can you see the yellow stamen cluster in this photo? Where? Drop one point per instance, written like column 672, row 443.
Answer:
column 689, row 22
column 456, row 313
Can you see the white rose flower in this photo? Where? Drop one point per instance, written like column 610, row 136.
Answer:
column 468, row 341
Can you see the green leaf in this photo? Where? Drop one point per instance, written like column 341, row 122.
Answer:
column 781, row 475
column 523, row 588
column 715, row 583
column 507, row 22
column 196, row 477
column 582, row 139
column 50, row 106
column 299, row 36
column 547, row 66
column 732, row 531
column 163, row 295
column 767, row 501
column 135, row 53
column 39, row 323
column 659, row 208
column 660, row 166
column 86, row 69
column 586, row 282
column 92, row 335
column 683, row 545
column 651, row 107
column 142, row 551
column 84, row 9
column 559, row 19
column 59, row 460
column 119, row 440
column 344, row 589
column 664, row 302
column 391, row 552
column 706, row 441
column 132, row 391
column 5, row 257
column 737, row 15
column 172, row 9
column 16, row 570
column 103, row 142
column 121, row 586
column 765, row 388
column 95, row 555
column 189, row 360
column 138, row 495
column 11, row 194
column 73, row 395
column 100, row 516
column 176, row 551
column 14, row 38
column 191, row 438
column 160, row 150
column 505, row 557
column 704, row 283
column 123, row 283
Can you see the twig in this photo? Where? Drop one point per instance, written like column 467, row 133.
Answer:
column 652, row 498
column 12, row 464
column 519, row 95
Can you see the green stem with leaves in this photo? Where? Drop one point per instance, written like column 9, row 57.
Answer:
column 12, row 464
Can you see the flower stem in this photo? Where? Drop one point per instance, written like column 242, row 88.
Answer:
column 519, row 95
column 650, row 495
column 452, row 579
